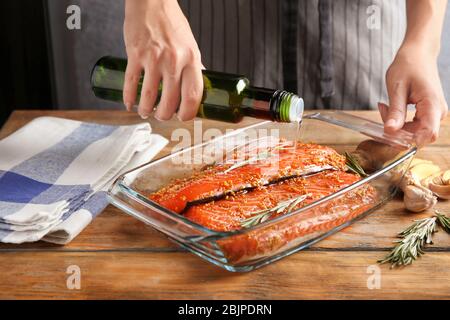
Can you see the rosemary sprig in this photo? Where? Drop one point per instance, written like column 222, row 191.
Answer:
column 414, row 238
column 262, row 215
column 259, row 156
column 410, row 247
column 443, row 220
column 353, row 165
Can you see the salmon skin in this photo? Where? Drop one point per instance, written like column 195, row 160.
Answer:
column 226, row 178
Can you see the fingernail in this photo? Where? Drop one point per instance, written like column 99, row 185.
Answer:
column 128, row 106
column 144, row 115
column 157, row 118
column 179, row 117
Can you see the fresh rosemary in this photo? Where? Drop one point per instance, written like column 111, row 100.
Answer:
column 410, row 247
column 414, row 239
column 353, row 165
column 262, row 215
column 443, row 220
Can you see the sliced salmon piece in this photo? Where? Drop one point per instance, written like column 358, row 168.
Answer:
column 268, row 240
column 229, row 213
column 220, row 180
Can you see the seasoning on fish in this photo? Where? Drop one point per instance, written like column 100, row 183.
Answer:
column 229, row 213
column 219, row 180
column 298, row 228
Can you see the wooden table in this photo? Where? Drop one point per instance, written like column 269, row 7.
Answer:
column 120, row 257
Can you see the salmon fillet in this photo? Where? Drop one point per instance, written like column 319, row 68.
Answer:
column 228, row 214
column 294, row 230
column 220, row 180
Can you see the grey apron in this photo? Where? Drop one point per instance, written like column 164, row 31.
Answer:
column 286, row 44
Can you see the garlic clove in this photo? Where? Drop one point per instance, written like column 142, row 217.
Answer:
column 403, row 180
column 418, row 198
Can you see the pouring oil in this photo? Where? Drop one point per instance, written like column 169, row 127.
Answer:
column 226, row 97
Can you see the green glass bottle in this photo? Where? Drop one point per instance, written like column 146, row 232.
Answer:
column 226, row 97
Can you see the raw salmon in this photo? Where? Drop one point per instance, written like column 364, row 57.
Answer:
column 280, row 236
column 226, row 178
column 228, row 214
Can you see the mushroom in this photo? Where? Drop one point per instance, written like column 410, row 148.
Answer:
column 372, row 155
column 416, row 183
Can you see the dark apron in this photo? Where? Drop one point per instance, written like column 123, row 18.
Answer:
column 332, row 53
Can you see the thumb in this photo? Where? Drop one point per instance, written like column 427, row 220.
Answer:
column 396, row 114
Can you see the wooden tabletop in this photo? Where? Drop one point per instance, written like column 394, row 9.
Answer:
column 120, row 257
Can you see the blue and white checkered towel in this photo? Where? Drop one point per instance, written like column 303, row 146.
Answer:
column 54, row 173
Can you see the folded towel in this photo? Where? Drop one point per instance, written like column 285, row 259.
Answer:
column 54, row 174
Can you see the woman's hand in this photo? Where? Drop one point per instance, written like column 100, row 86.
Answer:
column 159, row 42
column 413, row 78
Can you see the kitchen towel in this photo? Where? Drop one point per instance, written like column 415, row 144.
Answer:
column 54, row 174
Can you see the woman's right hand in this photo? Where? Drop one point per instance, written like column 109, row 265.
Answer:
column 159, row 41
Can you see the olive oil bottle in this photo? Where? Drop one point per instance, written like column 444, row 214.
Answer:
column 226, row 97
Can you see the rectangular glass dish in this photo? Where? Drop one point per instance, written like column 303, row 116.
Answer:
column 341, row 131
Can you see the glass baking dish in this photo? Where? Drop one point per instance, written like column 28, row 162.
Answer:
column 336, row 129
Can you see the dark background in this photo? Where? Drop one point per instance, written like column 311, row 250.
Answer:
column 26, row 56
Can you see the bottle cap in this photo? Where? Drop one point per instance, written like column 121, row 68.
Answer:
column 296, row 109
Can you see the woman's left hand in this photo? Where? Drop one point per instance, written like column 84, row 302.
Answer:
column 413, row 78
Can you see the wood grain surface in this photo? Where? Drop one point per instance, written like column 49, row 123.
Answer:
column 120, row 257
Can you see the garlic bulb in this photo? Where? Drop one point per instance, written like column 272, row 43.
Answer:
column 418, row 198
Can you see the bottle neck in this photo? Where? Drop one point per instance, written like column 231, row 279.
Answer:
column 278, row 105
